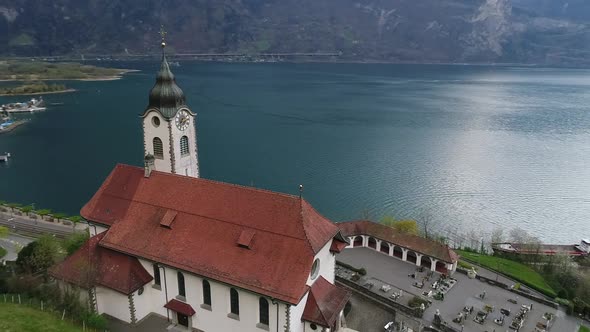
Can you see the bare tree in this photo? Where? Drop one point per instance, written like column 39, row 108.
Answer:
column 518, row 235
column 497, row 235
column 428, row 225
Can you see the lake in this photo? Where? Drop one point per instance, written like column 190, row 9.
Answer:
column 470, row 148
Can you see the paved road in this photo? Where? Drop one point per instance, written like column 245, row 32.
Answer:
column 34, row 227
column 13, row 243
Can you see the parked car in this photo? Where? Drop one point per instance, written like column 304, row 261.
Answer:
column 480, row 317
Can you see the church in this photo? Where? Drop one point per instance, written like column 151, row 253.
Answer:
column 205, row 255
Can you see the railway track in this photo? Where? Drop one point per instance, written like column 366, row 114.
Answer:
column 34, row 230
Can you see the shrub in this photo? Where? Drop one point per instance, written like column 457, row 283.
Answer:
column 75, row 219
column 416, row 301
column 96, row 321
column 564, row 302
column 362, row 271
column 466, row 266
column 74, row 242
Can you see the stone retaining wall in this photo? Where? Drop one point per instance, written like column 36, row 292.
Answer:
column 415, row 312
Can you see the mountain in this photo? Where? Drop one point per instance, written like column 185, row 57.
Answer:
column 478, row 31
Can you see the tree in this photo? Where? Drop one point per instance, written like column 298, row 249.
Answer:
column 59, row 216
column 73, row 242
column 498, row 235
column 583, row 290
column 13, row 206
column 43, row 213
column 75, row 220
column 518, row 235
column 39, row 255
column 26, row 209
column 428, row 224
column 401, row 226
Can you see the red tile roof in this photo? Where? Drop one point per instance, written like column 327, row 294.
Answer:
column 210, row 218
column 181, row 307
column 337, row 246
column 416, row 243
column 324, row 303
column 168, row 219
column 94, row 265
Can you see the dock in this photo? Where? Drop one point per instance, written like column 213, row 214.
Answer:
column 10, row 126
column 26, row 110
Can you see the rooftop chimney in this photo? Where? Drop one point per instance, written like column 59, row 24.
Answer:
column 148, row 164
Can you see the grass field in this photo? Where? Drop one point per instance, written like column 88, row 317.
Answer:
column 584, row 329
column 514, row 270
column 15, row 317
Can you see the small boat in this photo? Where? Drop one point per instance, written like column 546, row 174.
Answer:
column 4, row 157
column 573, row 250
column 5, row 124
column 33, row 105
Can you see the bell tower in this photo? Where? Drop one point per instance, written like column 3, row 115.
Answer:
column 169, row 130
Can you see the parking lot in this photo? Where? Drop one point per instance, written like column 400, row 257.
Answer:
column 466, row 292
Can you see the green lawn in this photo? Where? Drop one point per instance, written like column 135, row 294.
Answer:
column 514, row 270
column 584, row 329
column 17, row 318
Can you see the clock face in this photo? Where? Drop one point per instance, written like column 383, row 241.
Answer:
column 183, row 119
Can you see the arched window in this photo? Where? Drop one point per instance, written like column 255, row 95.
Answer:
column 158, row 148
column 184, row 146
column 263, row 308
column 181, row 289
column 206, row 293
column 157, row 280
column 234, row 300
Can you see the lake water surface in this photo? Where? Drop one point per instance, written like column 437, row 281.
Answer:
column 469, row 147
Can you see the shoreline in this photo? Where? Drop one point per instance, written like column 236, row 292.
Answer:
column 37, row 93
column 118, row 76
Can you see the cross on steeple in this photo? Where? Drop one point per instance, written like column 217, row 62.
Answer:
column 163, row 35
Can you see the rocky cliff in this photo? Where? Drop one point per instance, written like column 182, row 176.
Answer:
column 523, row 31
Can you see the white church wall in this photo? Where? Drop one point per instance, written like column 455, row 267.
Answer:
column 297, row 324
column 327, row 264
column 143, row 303
column 186, row 165
column 213, row 319
column 154, row 297
column 161, row 131
column 308, row 328
column 113, row 303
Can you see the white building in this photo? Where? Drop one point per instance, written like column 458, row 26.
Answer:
column 409, row 248
column 207, row 255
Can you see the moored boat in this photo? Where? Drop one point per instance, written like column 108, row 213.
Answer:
column 573, row 250
column 33, row 105
column 4, row 157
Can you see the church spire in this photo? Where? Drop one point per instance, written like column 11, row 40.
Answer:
column 166, row 96
column 169, row 128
